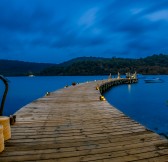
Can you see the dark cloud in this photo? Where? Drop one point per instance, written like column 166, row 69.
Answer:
column 65, row 41
column 135, row 45
column 155, row 6
column 40, row 30
column 23, row 19
column 95, row 41
column 134, row 28
column 72, row 40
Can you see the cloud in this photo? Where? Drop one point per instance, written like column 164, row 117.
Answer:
column 72, row 40
column 88, row 18
column 35, row 29
column 132, row 21
column 159, row 15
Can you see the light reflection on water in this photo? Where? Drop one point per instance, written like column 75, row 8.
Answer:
column 143, row 102
column 129, row 88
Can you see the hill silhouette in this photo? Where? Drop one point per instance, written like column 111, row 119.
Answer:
column 155, row 64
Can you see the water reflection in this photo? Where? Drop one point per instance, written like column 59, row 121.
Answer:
column 129, row 88
column 145, row 103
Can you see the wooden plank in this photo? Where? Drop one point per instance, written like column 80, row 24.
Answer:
column 73, row 125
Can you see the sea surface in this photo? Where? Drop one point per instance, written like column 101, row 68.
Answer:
column 147, row 103
column 23, row 90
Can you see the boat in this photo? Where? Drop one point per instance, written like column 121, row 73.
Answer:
column 154, row 80
column 31, row 75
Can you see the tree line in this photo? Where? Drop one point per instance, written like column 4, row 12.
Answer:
column 156, row 64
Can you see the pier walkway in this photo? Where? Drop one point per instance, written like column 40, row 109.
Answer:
column 73, row 125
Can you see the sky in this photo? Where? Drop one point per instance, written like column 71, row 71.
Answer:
column 54, row 31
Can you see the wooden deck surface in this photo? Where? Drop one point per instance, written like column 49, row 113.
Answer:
column 73, row 125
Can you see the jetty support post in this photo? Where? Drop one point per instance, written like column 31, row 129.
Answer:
column 5, row 81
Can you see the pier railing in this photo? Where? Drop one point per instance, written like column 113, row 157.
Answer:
column 5, row 81
column 113, row 82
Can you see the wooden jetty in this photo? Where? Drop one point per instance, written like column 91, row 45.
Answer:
column 73, row 125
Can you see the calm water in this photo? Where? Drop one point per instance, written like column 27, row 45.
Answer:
column 23, row 90
column 146, row 103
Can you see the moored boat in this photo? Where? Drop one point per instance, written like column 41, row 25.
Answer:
column 31, row 75
column 154, row 80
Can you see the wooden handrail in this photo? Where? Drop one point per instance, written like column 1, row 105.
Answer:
column 5, row 81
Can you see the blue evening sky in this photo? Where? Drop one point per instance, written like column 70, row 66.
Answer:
column 59, row 30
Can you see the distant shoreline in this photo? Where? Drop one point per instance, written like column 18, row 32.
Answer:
column 88, row 66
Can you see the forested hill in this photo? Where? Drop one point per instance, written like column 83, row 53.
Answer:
column 21, row 68
column 156, row 64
